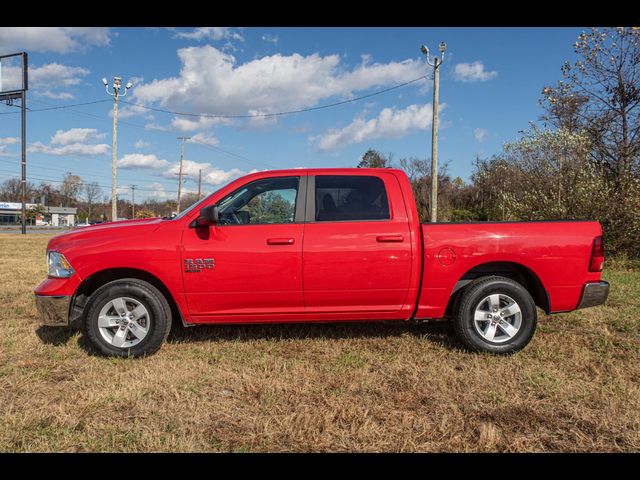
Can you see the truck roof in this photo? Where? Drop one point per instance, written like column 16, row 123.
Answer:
column 328, row 171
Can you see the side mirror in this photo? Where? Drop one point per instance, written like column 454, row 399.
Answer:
column 208, row 216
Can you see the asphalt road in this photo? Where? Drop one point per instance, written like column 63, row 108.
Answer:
column 31, row 231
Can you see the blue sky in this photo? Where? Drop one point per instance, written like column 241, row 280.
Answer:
column 490, row 83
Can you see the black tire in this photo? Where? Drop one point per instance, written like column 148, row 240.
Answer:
column 472, row 297
column 156, row 304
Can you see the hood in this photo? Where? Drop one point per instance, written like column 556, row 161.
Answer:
column 104, row 231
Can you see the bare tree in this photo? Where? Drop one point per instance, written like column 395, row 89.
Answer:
column 70, row 188
column 11, row 190
column 605, row 87
column 374, row 159
column 92, row 192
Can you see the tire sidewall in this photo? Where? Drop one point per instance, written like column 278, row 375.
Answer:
column 153, row 301
column 470, row 301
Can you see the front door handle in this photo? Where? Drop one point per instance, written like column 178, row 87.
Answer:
column 280, row 241
column 389, row 238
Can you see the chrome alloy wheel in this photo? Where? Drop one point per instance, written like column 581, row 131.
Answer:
column 124, row 322
column 497, row 318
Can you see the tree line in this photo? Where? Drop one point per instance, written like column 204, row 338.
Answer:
column 580, row 161
column 93, row 204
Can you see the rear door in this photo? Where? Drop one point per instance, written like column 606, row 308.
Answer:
column 357, row 247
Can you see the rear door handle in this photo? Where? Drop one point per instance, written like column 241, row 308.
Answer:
column 389, row 238
column 280, row 241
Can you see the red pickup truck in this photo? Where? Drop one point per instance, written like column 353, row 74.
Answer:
column 317, row 245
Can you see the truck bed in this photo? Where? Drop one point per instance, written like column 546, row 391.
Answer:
column 554, row 253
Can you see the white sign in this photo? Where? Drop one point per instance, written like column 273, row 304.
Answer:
column 14, row 206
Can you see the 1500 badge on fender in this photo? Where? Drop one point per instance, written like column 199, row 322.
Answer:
column 196, row 265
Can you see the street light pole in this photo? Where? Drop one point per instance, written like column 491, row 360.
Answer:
column 434, row 127
column 117, row 83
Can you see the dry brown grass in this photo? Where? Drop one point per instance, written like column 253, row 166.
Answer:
column 354, row 387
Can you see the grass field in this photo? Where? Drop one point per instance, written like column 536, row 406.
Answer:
column 353, row 387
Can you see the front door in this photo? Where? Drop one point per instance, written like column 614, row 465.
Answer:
column 251, row 262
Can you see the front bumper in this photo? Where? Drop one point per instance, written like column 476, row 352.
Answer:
column 53, row 310
column 594, row 293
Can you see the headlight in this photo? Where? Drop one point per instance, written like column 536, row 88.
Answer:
column 59, row 267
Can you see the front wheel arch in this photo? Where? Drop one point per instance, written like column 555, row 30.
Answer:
column 127, row 291
column 97, row 279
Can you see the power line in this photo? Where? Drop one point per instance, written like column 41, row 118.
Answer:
column 58, row 107
column 209, row 115
column 10, row 174
column 278, row 114
column 85, row 174
column 143, row 127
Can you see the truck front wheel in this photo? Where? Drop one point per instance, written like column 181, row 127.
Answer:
column 496, row 315
column 127, row 318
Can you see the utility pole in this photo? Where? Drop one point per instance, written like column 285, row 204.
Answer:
column 133, row 202
column 199, row 181
column 434, row 126
column 117, row 83
column 182, row 139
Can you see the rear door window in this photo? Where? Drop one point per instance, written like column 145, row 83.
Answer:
column 350, row 197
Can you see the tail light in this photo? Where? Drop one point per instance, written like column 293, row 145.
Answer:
column 597, row 255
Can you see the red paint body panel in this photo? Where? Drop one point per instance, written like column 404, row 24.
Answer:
column 557, row 253
column 347, row 269
column 326, row 271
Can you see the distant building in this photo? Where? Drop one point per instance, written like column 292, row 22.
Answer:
column 54, row 216
column 60, row 216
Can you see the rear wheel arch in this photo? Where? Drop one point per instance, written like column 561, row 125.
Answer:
column 512, row 270
column 92, row 283
column 496, row 315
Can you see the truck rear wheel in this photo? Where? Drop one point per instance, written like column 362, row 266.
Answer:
column 495, row 314
column 127, row 318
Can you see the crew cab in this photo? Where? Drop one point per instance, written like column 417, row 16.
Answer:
column 317, row 245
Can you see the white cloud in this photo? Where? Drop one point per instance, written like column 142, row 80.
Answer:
column 72, row 142
column 45, row 80
column 210, row 33
column 472, row 72
column 4, row 153
column 212, row 82
column 73, row 149
column 141, row 144
column 217, row 176
column 190, row 124
column 139, row 160
column 4, row 143
column 189, row 167
column 390, row 123
column 212, row 176
column 270, row 38
column 480, row 134
column 52, row 39
column 127, row 111
column 204, row 139
column 76, row 135
column 260, row 122
column 58, row 95
column 160, row 192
